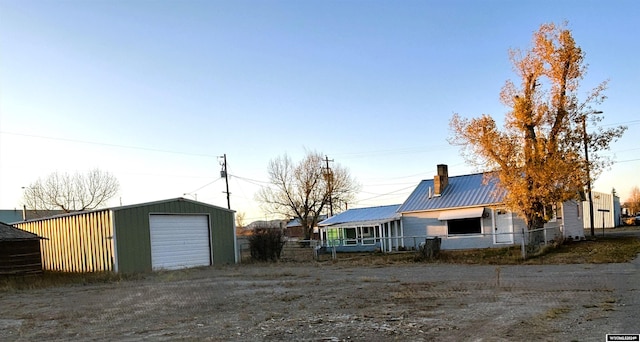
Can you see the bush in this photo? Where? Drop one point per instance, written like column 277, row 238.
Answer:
column 266, row 244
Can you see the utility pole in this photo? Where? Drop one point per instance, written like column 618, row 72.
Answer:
column 585, row 137
column 329, row 177
column 224, row 173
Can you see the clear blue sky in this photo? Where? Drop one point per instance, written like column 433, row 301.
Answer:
column 154, row 91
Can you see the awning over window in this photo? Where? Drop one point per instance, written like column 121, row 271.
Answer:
column 461, row 214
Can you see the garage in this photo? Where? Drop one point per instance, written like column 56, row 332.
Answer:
column 163, row 235
column 179, row 241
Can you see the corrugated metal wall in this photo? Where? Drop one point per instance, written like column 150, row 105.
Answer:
column 75, row 243
column 98, row 240
column 601, row 201
column 133, row 242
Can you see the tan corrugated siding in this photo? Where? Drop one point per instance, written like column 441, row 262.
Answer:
column 75, row 243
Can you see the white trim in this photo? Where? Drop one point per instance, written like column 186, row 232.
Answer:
column 114, row 242
column 461, row 214
column 236, row 252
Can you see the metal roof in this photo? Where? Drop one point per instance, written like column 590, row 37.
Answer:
column 378, row 214
column 297, row 223
column 462, row 191
column 11, row 233
column 178, row 199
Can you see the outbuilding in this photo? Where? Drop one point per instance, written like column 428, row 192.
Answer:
column 19, row 252
column 163, row 235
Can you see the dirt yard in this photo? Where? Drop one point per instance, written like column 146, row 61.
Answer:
column 330, row 302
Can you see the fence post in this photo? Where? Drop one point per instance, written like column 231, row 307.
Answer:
column 524, row 250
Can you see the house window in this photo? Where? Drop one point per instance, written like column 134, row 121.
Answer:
column 551, row 213
column 350, row 236
column 465, row 226
column 578, row 210
column 333, row 237
column 367, row 235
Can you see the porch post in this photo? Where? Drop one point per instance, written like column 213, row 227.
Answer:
column 402, row 234
column 395, row 234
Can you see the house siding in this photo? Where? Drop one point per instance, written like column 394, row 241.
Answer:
column 428, row 223
column 414, row 229
column 572, row 225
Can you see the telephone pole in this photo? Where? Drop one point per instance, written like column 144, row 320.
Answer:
column 329, row 177
column 223, row 173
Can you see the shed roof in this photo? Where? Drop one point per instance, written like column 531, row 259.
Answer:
column 179, row 199
column 473, row 190
column 371, row 214
column 11, row 233
column 18, row 215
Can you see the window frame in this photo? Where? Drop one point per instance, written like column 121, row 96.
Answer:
column 461, row 221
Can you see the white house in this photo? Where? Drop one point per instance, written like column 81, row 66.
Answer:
column 467, row 212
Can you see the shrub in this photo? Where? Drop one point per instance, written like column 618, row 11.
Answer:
column 266, row 244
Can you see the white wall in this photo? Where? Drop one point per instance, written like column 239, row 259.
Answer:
column 427, row 223
column 572, row 220
column 604, row 201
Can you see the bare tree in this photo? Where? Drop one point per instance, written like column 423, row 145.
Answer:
column 304, row 191
column 240, row 219
column 77, row 192
column 539, row 156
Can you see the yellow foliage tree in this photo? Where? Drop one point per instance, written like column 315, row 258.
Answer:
column 538, row 155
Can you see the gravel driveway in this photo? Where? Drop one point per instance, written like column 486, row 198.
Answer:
column 332, row 302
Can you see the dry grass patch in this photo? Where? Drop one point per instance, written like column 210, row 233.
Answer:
column 556, row 312
column 52, row 279
column 598, row 251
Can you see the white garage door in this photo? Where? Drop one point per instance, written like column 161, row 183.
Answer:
column 179, row 241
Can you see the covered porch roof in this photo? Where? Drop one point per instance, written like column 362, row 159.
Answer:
column 363, row 217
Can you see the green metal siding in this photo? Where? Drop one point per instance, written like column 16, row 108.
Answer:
column 133, row 246
column 133, row 242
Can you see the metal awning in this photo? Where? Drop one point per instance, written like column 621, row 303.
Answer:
column 461, row 214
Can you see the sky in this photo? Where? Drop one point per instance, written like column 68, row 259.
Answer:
column 155, row 92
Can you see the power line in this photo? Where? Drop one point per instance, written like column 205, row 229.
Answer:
column 397, row 151
column 107, row 144
column 625, row 161
column 388, row 193
column 204, row 186
column 249, row 180
column 632, row 122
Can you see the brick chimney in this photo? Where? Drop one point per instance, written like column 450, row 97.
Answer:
column 441, row 180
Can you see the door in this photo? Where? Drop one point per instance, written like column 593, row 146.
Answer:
column 179, row 241
column 503, row 228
